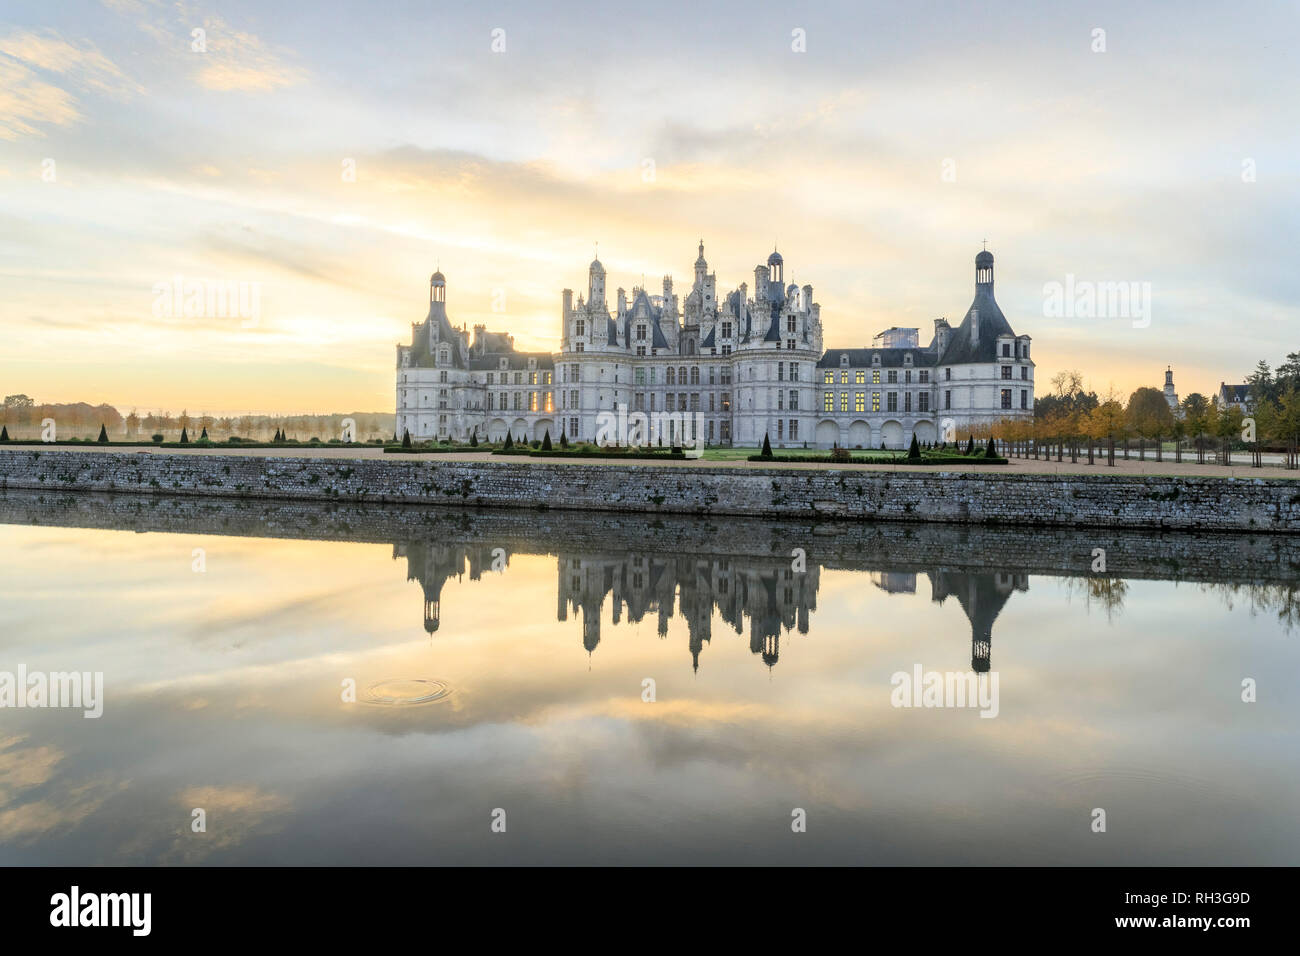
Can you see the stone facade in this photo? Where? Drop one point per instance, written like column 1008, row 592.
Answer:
column 739, row 367
column 1110, row 501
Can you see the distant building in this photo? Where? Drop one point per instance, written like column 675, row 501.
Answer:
column 1171, row 396
column 897, row 338
column 1235, row 396
column 742, row 366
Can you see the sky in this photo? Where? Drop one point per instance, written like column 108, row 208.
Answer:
column 326, row 158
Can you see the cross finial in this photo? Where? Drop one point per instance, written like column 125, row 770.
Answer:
column 597, row 250
column 986, row 245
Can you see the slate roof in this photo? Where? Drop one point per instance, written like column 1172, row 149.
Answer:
column 515, row 361
column 889, row 358
column 992, row 323
column 1235, row 393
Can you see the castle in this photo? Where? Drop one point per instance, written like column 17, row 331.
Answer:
column 736, row 368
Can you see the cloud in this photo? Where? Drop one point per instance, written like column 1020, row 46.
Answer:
column 28, row 99
column 240, row 62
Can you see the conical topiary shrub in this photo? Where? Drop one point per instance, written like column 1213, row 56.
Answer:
column 509, row 442
column 970, row 445
column 204, row 436
column 103, row 435
column 185, row 438
column 914, row 450
column 546, row 441
column 473, row 438
column 767, row 446
column 991, row 451
column 564, row 439
column 406, row 438
column 4, row 433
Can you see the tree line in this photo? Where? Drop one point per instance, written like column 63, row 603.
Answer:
column 1070, row 416
column 22, row 418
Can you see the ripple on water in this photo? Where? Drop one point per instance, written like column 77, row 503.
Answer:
column 407, row 692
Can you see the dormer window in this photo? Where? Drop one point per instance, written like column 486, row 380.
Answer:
column 443, row 357
column 875, row 359
column 504, row 364
column 844, row 360
column 907, row 358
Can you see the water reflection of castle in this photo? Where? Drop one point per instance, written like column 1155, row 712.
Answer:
column 764, row 590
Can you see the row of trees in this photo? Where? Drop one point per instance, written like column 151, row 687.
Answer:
column 22, row 418
column 1070, row 418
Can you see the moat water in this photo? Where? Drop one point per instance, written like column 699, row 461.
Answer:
column 504, row 666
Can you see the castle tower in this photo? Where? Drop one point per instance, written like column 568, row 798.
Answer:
column 596, row 286
column 1171, row 396
column 776, row 266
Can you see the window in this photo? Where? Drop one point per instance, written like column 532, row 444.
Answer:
column 844, row 401
column 1006, row 398
column 713, row 374
column 780, row 429
column 891, row 402
column 794, row 429
column 639, row 376
column 924, row 375
column 947, row 400
column 794, row 371
column 947, row 375
column 532, row 378
column 780, row 400
column 923, row 402
column 892, row 378
column 726, row 407
column 442, row 376
column 828, row 400
column 875, row 401
column 780, row 371
column 860, row 401
column 859, row 377
column 789, row 324
column 844, row 377
column 695, row 375
column 726, row 375
column 1006, row 350
column 726, row 330
column 581, row 327
column 672, row 376
column 829, row 377
column 1024, row 372
column 1024, row 398
column 875, row 376
column 1006, row 371
column 573, row 427
column 794, row 400
column 640, row 332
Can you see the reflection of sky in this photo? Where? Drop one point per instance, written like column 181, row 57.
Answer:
column 223, row 692
column 505, row 168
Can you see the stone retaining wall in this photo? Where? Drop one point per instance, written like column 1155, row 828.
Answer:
column 857, row 545
column 1111, row 501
